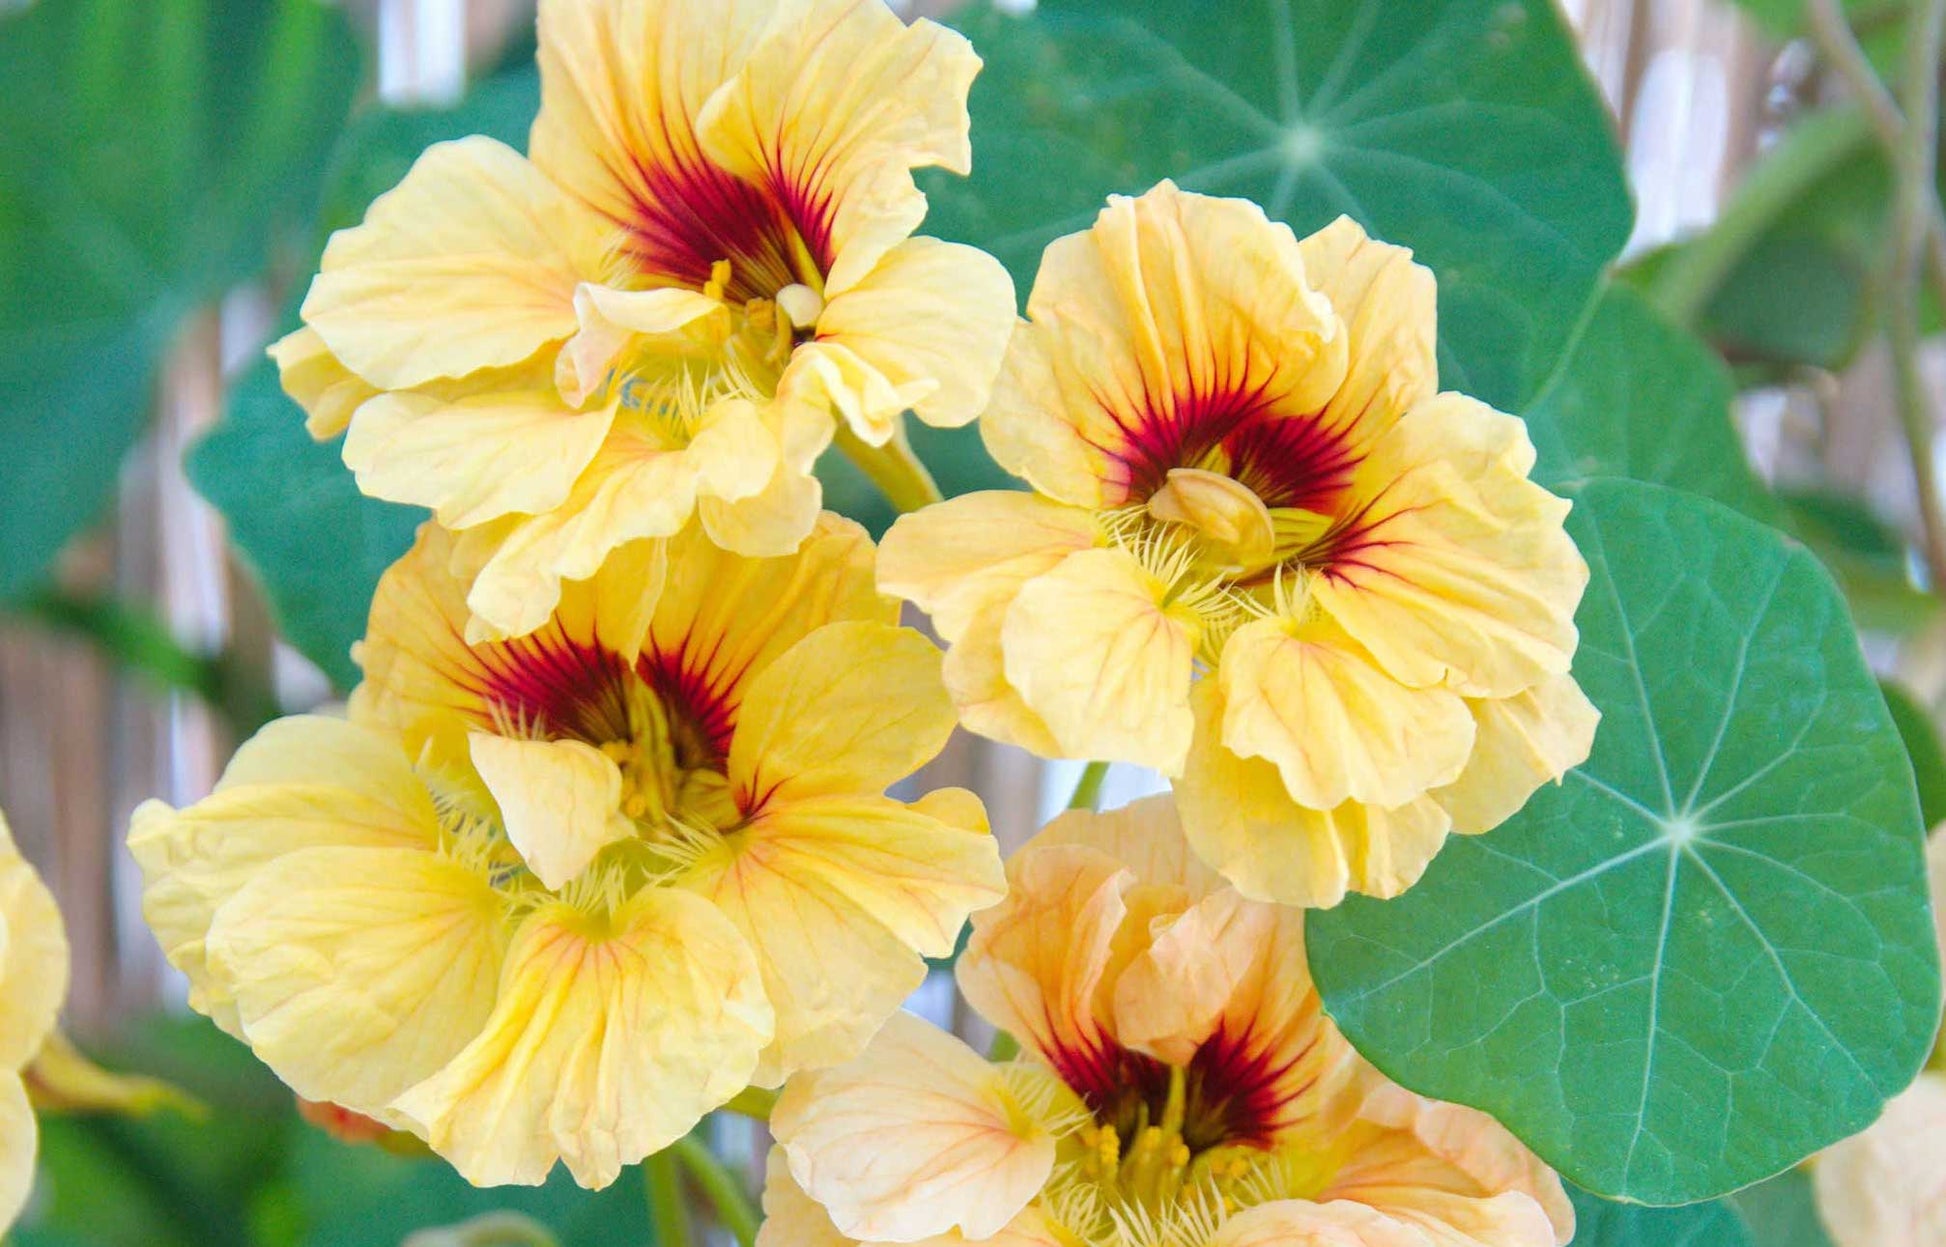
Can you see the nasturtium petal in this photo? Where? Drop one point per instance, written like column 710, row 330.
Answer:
column 1707, row 953
column 1467, row 130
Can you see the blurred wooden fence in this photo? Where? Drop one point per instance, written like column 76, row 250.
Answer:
column 81, row 745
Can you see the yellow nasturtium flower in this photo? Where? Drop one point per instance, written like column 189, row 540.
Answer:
column 558, row 897
column 706, row 261
column 1263, row 556
column 33, row 982
column 1179, row 1084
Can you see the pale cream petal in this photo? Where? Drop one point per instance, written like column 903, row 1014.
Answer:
column 19, row 1140
column 470, row 262
column 958, row 557
column 300, row 783
column 1461, row 573
column 560, row 801
column 1523, row 741
column 836, row 103
column 976, row 679
column 477, row 457
column 917, row 1137
column 769, row 523
column 1232, row 521
column 1886, row 1187
column 1388, row 306
column 852, row 708
column 610, row 1040
column 1242, row 821
column 319, row 382
column 735, row 453
column 792, row 1218
column 359, row 972
column 1171, row 300
column 34, row 957
column 1036, row 961
column 1100, row 653
column 609, row 318
column 1309, row 699
column 858, row 881
column 1301, row 1223
column 834, row 377
column 930, row 316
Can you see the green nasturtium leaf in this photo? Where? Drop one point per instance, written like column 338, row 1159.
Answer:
column 152, row 152
column 1707, row 953
column 315, row 543
column 1467, row 130
column 1604, row 1223
column 1636, row 397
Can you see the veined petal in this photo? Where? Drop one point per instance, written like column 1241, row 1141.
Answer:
column 471, row 262
column 1886, row 1187
column 853, row 707
column 769, row 523
column 833, row 376
column 1145, row 835
column 1340, row 1223
column 930, row 316
column 19, row 1139
column 1307, row 698
column 1169, row 998
column 1523, row 741
column 837, row 102
column 1036, row 961
column 1098, row 651
column 358, row 972
column 560, row 800
column 1459, row 571
column 609, row 318
column 794, row 1219
column 955, row 558
column 916, row 1138
column 976, row 679
column 609, row 1040
column 475, row 457
column 860, row 881
column 33, row 963
column 1388, row 306
column 1242, row 821
column 319, row 382
column 300, row 783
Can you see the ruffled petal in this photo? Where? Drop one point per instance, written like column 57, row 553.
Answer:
column 916, row 1138
column 609, row 319
column 560, row 801
column 1307, row 698
column 1097, row 649
column 471, row 262
column 1301, row 1223
column 19, row 1140
column 1389, row 308
column 794, row 1219
column 976, row 679
column 34, row 960
column 859, row 881
column 853, row 707
column 1145, row 835
column 359, row 972
column 1242, row 821
column 1523, row 741
column 1886, row 1187
column 610, row 1039
column 958, row 557
column 319, row 382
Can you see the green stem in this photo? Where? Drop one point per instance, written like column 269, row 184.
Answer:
column 1913, row 218
column 723, row 1188
column 1087, row 789
column 663, row 1179
column 893, row 468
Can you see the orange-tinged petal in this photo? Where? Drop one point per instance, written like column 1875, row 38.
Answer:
column 1309, row 699
column 1388, row 306
column 958, row 557
column 471, row 262
column 19, row 1139
column 358, row 972
column 1301, row 1223
column 1523, row 741
column 610, row 1039
column 860, row 881
column 1100, row 653
column 33, row 960
column 1242, row 821
column 1460, row 572
column 560, row 801
column 853, row 707
column 1169, row 998
column 1145, row 835
column 319, row 382
column 1886, row 1187
column 916, row 1138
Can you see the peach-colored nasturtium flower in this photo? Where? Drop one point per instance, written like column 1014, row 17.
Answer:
column 558, row 897
column 33, row 982
column 1263, row 556
column 1886, row 1186
column 1179, row 1085
column 705, row 263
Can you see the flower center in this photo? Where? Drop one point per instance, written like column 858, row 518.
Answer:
column 689, row 216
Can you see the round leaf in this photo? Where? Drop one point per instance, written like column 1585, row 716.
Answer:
column 1707, row 953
